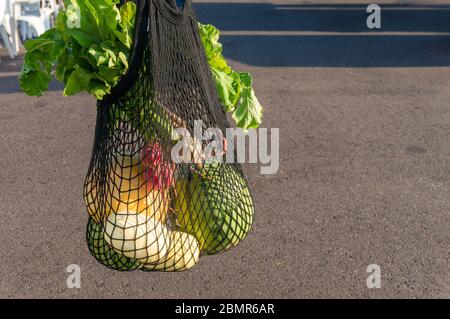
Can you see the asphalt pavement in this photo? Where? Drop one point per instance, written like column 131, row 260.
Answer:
column 364, row 178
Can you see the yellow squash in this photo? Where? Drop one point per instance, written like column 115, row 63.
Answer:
column 137, row 236
column 183, row 254
column 126, row 190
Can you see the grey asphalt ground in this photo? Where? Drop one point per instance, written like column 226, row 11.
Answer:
column 364, row 177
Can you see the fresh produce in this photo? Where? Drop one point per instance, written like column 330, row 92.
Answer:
column 160, row 176
column 215, row 206
column 104, row 253
column 235, row 89
column 137, row 236
column 127, row 190
column 152, row 155
column 93, row 56
column 183, row 254
column 129, row 197
column 158, row 172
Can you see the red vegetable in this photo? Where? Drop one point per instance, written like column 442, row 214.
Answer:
column 157, row 172
column 152, row 155
column 160, row 177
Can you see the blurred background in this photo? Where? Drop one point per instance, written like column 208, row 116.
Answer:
column 364, row 173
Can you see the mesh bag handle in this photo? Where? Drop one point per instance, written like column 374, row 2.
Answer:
column 170, row 10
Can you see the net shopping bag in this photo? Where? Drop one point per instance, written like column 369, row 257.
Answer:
column 147, row 210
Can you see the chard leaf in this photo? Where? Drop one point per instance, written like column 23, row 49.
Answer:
column 78, row 81
column 249, row 112
column 127, row 24
column 65, row 67
column 42, row 53
column 34, row 81
column 99, row 89
column 89, row 47
column 97, row 56
column 81, row 24
column 228, row 87
column 234, row 89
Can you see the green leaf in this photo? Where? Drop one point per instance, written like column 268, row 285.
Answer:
column 89, row 47
column 249, row 112
column 127, row 23
column 34, row 81
column 213, row 48
column 78, row 81
column 124, row 59
column 97, row 20
column 234, row 89
column 99, row 89
column 228, row 87
column 88, row 31
column 97, row 55
column 93, row 56
column 41, row 54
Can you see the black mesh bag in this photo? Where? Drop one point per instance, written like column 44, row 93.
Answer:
column 147, row 210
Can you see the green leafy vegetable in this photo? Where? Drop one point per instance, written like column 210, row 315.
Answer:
column 89, row 57
column 235, row 89
column 42, row 53
column 89, row 50
column 248, row 113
